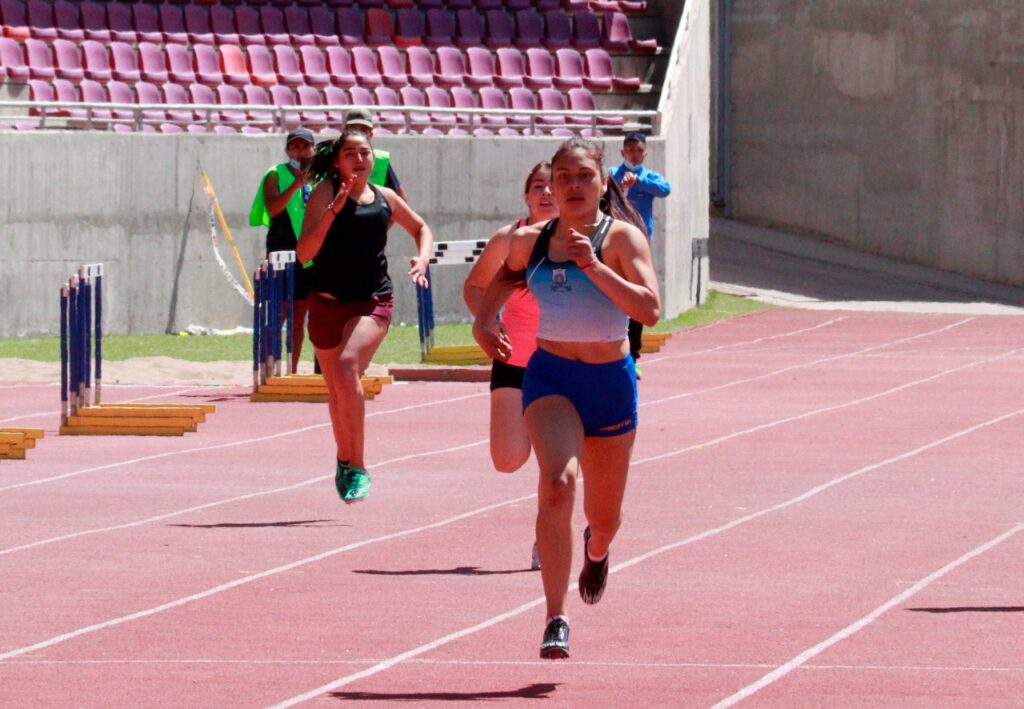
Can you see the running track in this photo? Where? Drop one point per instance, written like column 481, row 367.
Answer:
column 825, row 509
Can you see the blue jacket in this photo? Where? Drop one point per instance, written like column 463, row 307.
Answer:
column 649, row 185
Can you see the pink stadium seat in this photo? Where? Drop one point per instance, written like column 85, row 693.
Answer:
column 286, row 63
column 333, row 96
column 499, row 29
column 124, row 62
column 583, row 100
column 551, row 100
column 400, row 4
column 179, row 64
column 247, row 23
column 370, row 3
column 176, row 95
column 361, row 96
column 494, row 99
column 392, row 120
column 586, row 31
column 314, row 66
column 517, row 5
column 222, row 25
column 172, row 23
column 602, row 6
column 440, row 29
column 39, row 59
column 152, row 63
column 256, row 96
column 451, row 68
column 469, row 28
column 485, row 5
column 419, row 66
column 121, row 25
column 529, row 29
column 540, row 69
column 296, row 22
column 439, row 98
column 321, row 24
column 94, row 21
column 67, row 22
column 232, row 65
column 96, row 61
column 40, row 20
column 511, row 68
column 207, row 64
column 93, row 92
column 68, row 62
column 202, row 95
column 261, row 66
column 349, row 24
column 314, row 120
column 231, row 96
column 522, row 100
column 379, row 26
column 599, row 70
column 557, row 30
column 415, row 98
column 121, row 92
column 463, row 98
column 13, row 59
column 62, row 90
column 197, row 24
column 409, row 28
column 15, row 24
column 569, row 71
column 568, row 5
column 391, row 67
column 364, row 60
column 272, row 22
column 147, row 93
column 616, row 35
column 479, row 68
column 459, row 4
column 144, row 20
column 339, row 64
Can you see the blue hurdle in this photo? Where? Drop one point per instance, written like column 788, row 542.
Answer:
column 81, row 340
column 273, row 310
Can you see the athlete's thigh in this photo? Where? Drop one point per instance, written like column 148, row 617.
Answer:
column 556, row 433
column 605, row 469
column 360, row 339
column 508, row 427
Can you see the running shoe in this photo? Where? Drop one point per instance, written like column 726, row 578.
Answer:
column 555, row 645
column 534, row 558
column 639, row 374
column 341, row 479
column 594, row 576
column 358, row 486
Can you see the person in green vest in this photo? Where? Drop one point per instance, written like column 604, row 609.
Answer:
column 361, row 119
column 280, row 205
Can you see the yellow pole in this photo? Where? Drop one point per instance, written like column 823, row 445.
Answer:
column 227, row 233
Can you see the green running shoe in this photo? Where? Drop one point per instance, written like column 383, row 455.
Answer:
column 358, row 486
column 341, row 476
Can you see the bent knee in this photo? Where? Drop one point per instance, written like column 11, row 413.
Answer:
column 556, row 491
column 509, row 461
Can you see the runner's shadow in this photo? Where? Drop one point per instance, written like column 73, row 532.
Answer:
column 532, row 691
column 245, row 525
column 457, row 571
column 970, row 609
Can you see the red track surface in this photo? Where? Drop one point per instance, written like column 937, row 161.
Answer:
column 824, row 509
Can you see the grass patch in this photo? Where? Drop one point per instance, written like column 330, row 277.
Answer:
column 401, row 346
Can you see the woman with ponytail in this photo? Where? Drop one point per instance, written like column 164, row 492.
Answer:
column 351, row 300
column 590, row 270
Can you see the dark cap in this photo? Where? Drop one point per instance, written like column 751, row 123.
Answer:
column 300, row 133
column 635, row 135
column 359, row 117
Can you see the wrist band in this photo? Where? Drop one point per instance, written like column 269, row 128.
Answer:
column 589, row 265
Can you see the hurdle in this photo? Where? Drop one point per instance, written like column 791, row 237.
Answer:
column 446, row 253
column 82, row 412
column 15, row 441
column 274, row 311
column 653, row 341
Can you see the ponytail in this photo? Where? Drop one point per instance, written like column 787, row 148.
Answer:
column 325, row 155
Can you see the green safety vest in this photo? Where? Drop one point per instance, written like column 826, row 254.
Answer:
column 296, row 208
column 381, row 160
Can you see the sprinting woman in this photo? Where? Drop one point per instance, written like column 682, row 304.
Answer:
column 351, row 296
column 590, row 272
column 510, row 444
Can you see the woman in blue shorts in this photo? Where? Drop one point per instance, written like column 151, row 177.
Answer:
column 590, row 270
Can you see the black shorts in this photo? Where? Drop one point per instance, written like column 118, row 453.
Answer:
column 506, row 376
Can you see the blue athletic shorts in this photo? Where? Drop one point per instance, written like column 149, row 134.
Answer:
column 604, row 395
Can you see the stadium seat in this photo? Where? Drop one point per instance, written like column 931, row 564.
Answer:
column 583, row 100
column 247, row 23
column 439, row 98
column 451, row 68
column 339, row 64
column 119, row 23
column 314, row 66
column 333, row 96
column 495, row 99
column 120, row 92
column 409, row 28
column 179, row 64
column 284, row 96
column 511, row 68
column 62, row 90
column 529, row 29
column 176, row 95
column 600, row 73
column 469, row 29
column 387, row 97
column 207, row 64
column 314, row 120
column 261, row 66
column 379, row 26
column 567, row 5
column 94, row 21
column 144, row 22
column 349, row 24
column 540, row 69
column 296, row 23
column 124, row 63
column 400, row 4
column 286, row 64
column 499, row 29
column 364, row 61
column 464, row 98
column 616, row 35
column 361, row 96
column 13, row 59
column 392, row 67
column 272, row 24
column 67, row 21
column 233, row 65
column 197, row 24
column 40, row 20
column 440, row 28
column 67, row 60
column 479, row 68
column 172, row 23
column 569, row 71
column 486, row 5
column 152, row 63
column 551, row 100
column 522, row 99
column 412, row 97
column 457, row 5
column 321, row 24
column 370, row 3
column 256, row 96
column 148, row 93
column 96, row 61
column 15, row 19
column 93, row 92
column 557, row 30
column 419, row 66
column 222, row 25
column 586, row 31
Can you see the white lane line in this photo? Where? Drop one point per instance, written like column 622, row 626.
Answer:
column 229, row 444
column 787, row 667
column 427, row 647
column 56, row 412
column 218, row 503
column 255, row 577
column 812, row 363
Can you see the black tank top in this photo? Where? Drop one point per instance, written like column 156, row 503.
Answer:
column 351, row 264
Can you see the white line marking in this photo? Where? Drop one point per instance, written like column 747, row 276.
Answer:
column 397, row 659
column 218, row 503
column 784, row 669
column 230, row 444
column 56, row 412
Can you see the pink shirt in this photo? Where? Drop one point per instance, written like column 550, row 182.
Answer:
column 521, row 318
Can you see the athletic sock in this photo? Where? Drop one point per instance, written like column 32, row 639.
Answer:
column 592, row 559
column 343, row 463
column 557, row 617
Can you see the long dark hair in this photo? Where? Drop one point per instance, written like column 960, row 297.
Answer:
column 613, row 201
column 325, row 154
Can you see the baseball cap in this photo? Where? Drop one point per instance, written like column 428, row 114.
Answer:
column 300, row 133
column 359, row 117
column 634, row 135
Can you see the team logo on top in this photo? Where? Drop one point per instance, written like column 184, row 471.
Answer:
column 560, row 281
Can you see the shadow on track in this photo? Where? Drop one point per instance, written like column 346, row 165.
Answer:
column 532, row 691
column 457, row 571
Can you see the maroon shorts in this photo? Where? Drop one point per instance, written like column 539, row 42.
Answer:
column 328, row 317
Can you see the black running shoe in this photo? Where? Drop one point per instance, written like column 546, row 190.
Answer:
column 594, row 576
column 556, row 641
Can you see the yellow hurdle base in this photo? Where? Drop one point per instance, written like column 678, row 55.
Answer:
column 137, row 420
column 456, row 354
column 15, row 441
column 310, row 388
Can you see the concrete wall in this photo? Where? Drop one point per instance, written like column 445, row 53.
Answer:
column 122, row 199
column 894, row 127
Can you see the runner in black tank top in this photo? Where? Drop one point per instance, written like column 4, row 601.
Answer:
column 345, row 234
